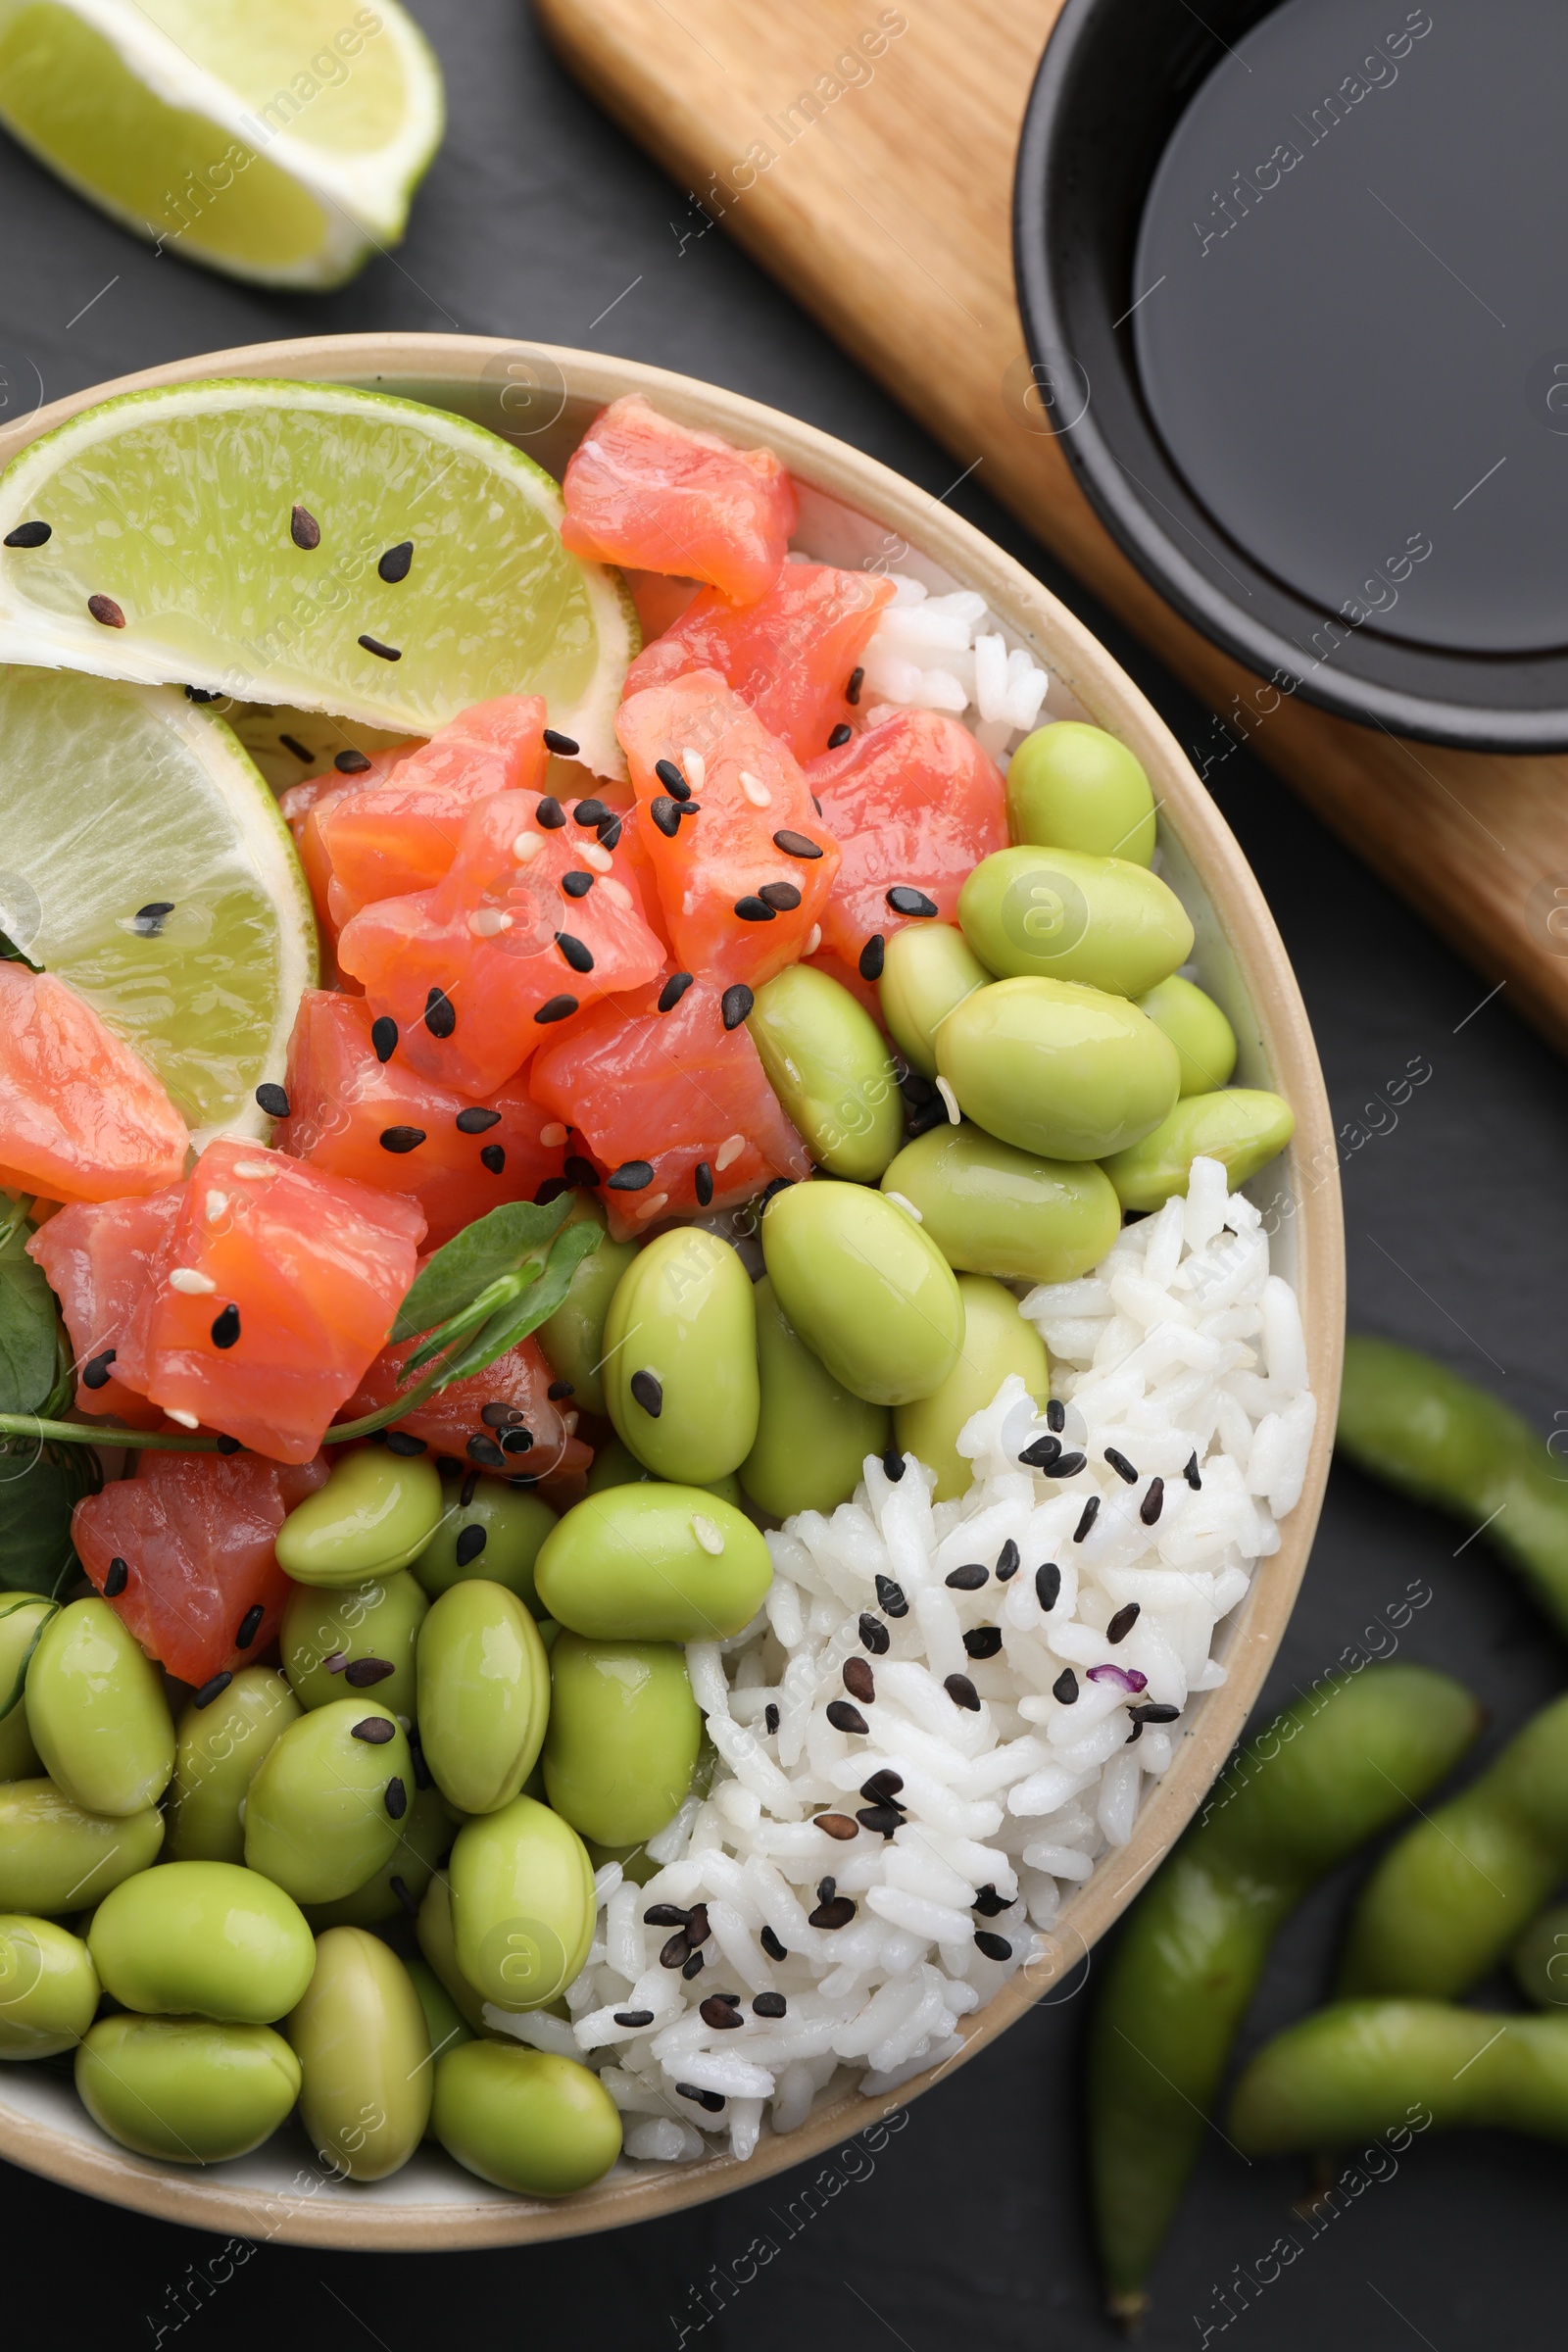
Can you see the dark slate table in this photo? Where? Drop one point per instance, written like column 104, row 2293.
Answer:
column 539, row 219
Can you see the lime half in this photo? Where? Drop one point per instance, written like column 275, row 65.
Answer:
column 143, row 860
column 310, row 545
column 280, row 143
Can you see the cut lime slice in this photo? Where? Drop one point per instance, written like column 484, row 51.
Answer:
column 143, row 860
column 279, row 143
column 308, row 544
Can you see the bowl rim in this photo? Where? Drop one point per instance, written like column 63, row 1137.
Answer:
column 351, row 2217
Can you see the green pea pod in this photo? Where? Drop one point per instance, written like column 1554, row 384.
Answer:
column 1539, row 1959
column 993, row 1209
column 535, row 2123
column 363, row 2048
column 220, row 1747
column 813, row 1434
column 370, row 1630
column 655, row 1563
column 1328, row 1774
column 826, row 1061
column 184, row 2088
column 680, row 1345
column 484, row 1695
column 1068, row 1071
column 997, row 1342
column 1065, row 914
column 1243, row 1126
column 573, row 1337
column 377, row 1512
column 1419, row 1427
column 927, row 968
column 624, row 1732
column 523, row 1904
column 55, row 1857
column 49, row 1989
column 398, row 1888
column 1445, row 1904
column 97, row 1712
column 204, row 1940
column 864, row 1287
column 323, row 1810
column 1362, row 2069
column 1075, row 786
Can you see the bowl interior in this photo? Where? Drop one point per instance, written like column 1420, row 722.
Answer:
column 855, row 513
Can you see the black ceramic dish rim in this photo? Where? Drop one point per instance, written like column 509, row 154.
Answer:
column 1134, row 522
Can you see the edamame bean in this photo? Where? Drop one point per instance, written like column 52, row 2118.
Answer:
column 865, row 1288
column 812, row 1435
column 997, row 1340
column 654, row 1563
column 358, row 1629
column 993, row 1209
column 220, row 1747
column 1328, row 1774
column 202, row 1939
column 680, row 1375
column 97, row 1712
column 1539, row 1959
column 1203, row 1039
column 1419, row 1427
column 323, row 1810
column 573, row 1337
column 615, row 1465
column 523, row 1904
column 377, row 1512
column 624, row 1731
column 1062, row 914
column 484, row 1695
column 827, row 1063
column 185, row 2089
column 1241, row 1126
column 1075, row 786
column 363, row 2050
column 398, row 1888
column 48, row 1987
column 439, row 1948
column 495, row 1535
column 537, row 2125
column 55, row 1856
column 927, row 968
column 1057, row 1068
column 21, row 1620
column 1363, row 2069
column 444, row 2020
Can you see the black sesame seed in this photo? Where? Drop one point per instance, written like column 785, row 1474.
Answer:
column 375, row 1730
column 580, row 1172
column 1008, row 1561
column 494, row 1158
column 816, row 804
column 688, row 809
column 486, row 1452
column 148, row 921
column 771, row 1718
column 469, row 1488
column 292, row 743
column 565, row 747
column 383, row 653
column 106, row 611
column 674, row 988
column 230, row 1446
column 589, row 813
column 893, row 1464
column 735, row 1004
column 840, row 736
column 1151, row 1712
column 874, row 1635
column 702, row 1183
column 889, row 1597
column 796, row 845
column 576, row 885
column 499, row 1414
column 402, row 1139
column 609, row 832
column 440, row 1014
column 551, row 1190
column 213, row 1689
column 396, row 1800
column 666, row 1914
column 711, row 2102
column 881, row 1820
column 989, row 1904
column 693, row 1967
column 1042, row 1455
column 983, row 1641
column 648, row 1392
column 558, row 1388
column 769, row 2004
column 633, row 2017
column 1150, row 1509
column 118, row 1579
column 872, row 956
column 905, row 901
column 476, row 1121
column 968, row 1579
column 1069, row 1465
column 1048, row 1586
column 860, row 1682
column 1055, row 1414
column 517, row 1441
column 470, row 1541
column 698, row 1929
column 1064, row 1689
column 717, row 2012
column 557, row 1008
column 845, row 1718
column 550, row 814
column 1121, row 1625
column 225, row 1326
column 350, row 762
column 771, row 1945
column 1121, row 1465
column 672, row 780
column 632, row 1176
column 404, row 1441
column 755, row 910
column 851, row 692
column 1191, row 1472
column 665, row 815
column 962, row 1692
column 1090, row 1514
column 995, row 1948
column 782, row 896
column 780, row 1184
column 883, row 1787
column 363, row 1674
column 677, row 1951
column 579, row 958
column 384, row 1036
column 835, row 1911
column 30, row 534
column 394, row 565
column 95, row 1372
column 250, row 1625
column 273, row 1100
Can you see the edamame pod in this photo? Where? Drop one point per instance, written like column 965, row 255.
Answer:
column 444, row 2020
column 532, row 2123
column 97, row 1712
column 1328, row 1774
column 364, row 2051
column 377, row 1512
column 439, row 1948
column 353, row 1637
column 866, row 1290
column 654, row 1563
column 828, row 1065
column 484, row 1695
column 1445, row 1904
column 997, row 1340
column 1539, row 1959
column 323, row 1810
column 1064, row 915
column 812, row 1435
column 1203, row 1039
column 993, row 1209
column 927, row 968
column 221, row 1747
column 48, row 1987
column 21, row 1620
column 495, row 1535
column 397, row 1890
column 1075, row 786
column 185, row 2089
column 680, row 1372
column 1241, row 1126
column 573, row 1337
column 624, row 1731
column 523, row 1904
column 1419, row 1427
column 1363, row 2069
column 55, row 1856
column 202, row 1939
column 1058, row 1068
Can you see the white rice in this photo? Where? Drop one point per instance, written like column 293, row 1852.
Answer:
column 1180, row 1347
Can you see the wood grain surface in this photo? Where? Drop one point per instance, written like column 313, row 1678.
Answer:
column 870, row 168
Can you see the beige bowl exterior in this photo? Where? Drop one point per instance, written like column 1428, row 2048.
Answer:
column 858, row 511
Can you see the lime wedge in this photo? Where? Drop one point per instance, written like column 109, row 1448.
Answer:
column 308, row 544
column 143, row 860
column 281, row 143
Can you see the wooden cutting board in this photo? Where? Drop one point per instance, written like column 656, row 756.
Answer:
column 864, row 156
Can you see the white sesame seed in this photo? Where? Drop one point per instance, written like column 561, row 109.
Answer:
column 708, row 1535
column 616, row 890
column 253, row 1167
column 486, row 921
column 185, row 1420
column 650, row 1206
column 816, row 939
column 595, row 854
column 696, row 769
column 755, row 790
column 955, row 1116
column 568, row 1422
column 187, row 1277
column 216, row 1205
column 527, row 847
column 730, row 1148
column 898, row 1200
column 556, row 1133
